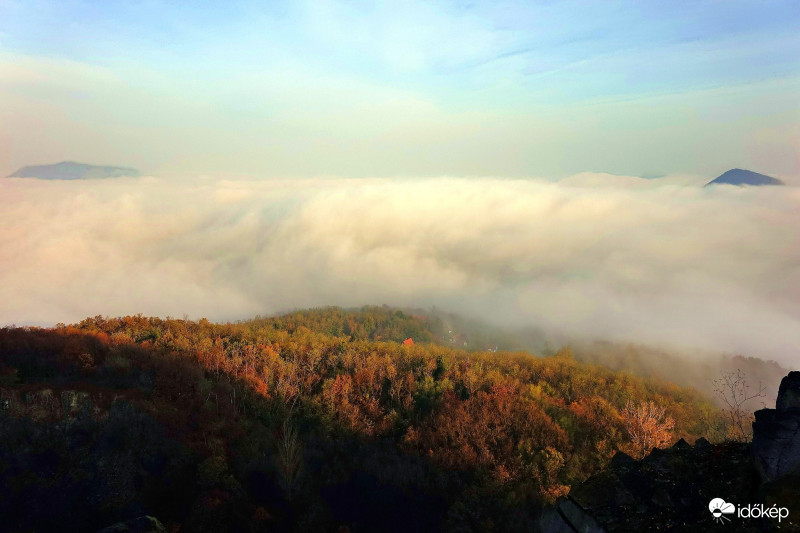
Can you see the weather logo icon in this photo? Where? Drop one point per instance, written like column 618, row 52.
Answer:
column 719, row 508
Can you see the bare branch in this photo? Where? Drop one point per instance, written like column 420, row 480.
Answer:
column 734, row 390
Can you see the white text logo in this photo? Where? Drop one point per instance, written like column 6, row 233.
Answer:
column 719, row 508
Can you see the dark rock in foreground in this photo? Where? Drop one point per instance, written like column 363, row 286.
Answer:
column 789, row 392
column 672, row 489
column 738, row 176
column 142, row 524
column 669, row 490
column 68, row 170
column 776, row 433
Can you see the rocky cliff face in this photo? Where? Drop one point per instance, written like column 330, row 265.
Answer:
column 141, row 524
column 670, row 490
column 776, row 433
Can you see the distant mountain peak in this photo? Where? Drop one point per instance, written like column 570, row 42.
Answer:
column 70, row 170
column 738, row 176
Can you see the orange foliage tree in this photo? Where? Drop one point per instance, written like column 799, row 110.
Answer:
column 648, row 426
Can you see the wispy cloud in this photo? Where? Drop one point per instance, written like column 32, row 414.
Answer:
column 350, row 88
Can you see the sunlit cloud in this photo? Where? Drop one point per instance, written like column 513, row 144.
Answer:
column 647, row 260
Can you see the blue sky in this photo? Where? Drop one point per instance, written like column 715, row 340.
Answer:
column 403, row 88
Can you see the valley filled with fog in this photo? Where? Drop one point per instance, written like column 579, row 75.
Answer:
column 659, row 261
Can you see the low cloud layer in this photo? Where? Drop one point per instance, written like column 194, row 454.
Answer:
column 622, row 258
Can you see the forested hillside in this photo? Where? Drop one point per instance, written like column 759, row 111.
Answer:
column 317, row 420
column 666, row 363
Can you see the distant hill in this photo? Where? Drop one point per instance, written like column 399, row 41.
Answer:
column 738, row 176
column 385, row 323
column 69, row 170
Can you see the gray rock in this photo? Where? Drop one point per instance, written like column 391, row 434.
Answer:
column 622, row 460
column 776, row 433
column 669, row 490
column 568, row 517
column 702, row 443
column 662, row 498
column 141, row 524
column 682, row 445
column 789, row 392
column 776, row 444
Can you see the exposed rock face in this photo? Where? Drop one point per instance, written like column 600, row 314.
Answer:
column 776, row 433
column 670, row 490
column 789, row 392
column 142, row 524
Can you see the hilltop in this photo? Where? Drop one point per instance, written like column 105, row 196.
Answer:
column 680, row 366
column 69, row 170
column 738, row 176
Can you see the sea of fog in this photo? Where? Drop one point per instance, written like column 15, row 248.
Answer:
column 593, row 255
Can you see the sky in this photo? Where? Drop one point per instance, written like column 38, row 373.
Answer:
column 402, row 88
column 527, row 163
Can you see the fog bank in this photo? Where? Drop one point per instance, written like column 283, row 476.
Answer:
column 622, row 258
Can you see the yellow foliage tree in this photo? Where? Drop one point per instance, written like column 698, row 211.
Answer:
column 648, row 426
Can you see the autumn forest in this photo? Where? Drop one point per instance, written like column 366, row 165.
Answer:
column 321, row 420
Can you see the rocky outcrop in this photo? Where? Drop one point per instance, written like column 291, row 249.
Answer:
column 670, row 490
column 776, row 433
column 789, row 392
column 141, row 524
